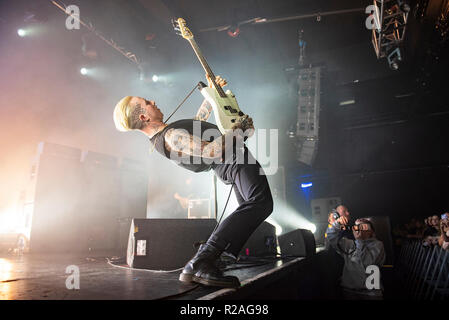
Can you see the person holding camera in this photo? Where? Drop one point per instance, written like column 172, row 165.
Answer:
column 340, row 211
column 358, row 254
column 443, row 241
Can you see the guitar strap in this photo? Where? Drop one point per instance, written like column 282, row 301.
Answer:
column 182, row 102
column 176, row 109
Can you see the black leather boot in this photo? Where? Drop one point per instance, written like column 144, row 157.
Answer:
column 202, row 269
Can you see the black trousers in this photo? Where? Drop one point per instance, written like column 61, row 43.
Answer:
column 255, row 204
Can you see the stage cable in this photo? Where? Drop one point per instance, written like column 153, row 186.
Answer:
column 147, row 270
column 225, row 206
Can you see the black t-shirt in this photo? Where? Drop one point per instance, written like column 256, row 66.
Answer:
column 202, row 129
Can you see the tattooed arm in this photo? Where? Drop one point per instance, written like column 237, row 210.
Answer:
column 178, row 140
column 185, row 144
column 204, row 111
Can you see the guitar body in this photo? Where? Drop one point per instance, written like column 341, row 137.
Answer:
column 226, row 109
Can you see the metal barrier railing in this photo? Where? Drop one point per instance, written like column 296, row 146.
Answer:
column 424, row 271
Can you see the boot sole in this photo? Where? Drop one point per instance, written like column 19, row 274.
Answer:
column 185, row 277
column 215, row 283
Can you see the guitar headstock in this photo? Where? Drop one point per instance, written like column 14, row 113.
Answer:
column 180, row 27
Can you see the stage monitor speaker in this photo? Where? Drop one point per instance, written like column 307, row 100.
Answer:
column 165, row 244
column 299, row 242
column 262, row 242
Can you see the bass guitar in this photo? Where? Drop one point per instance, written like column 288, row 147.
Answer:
column 224, row 104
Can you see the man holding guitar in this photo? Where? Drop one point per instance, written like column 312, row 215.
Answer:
column 197, row 145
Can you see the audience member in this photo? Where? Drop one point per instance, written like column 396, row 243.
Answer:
column 444, row 230
column 358, row 254
column 433, row 232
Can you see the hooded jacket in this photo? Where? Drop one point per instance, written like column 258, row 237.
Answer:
column 358, row 255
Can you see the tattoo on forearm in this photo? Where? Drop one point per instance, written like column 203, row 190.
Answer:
column 204, row 111
column 187, row 145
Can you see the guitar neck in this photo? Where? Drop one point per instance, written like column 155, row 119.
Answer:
column 206, row 67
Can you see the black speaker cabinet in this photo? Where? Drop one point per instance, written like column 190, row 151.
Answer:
column 299, row 242
column 55, row 195
column 262, row 242
column 80, row 203
column 101, row 194
column 165, row 244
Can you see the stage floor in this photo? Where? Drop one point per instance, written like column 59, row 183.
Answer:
column 44, row 277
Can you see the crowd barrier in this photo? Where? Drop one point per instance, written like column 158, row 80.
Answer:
column 423, row 271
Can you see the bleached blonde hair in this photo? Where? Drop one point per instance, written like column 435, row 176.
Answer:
column 126, row 116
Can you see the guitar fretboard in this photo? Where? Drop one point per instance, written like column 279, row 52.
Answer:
column 206, row 67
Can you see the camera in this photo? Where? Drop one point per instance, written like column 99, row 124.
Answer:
column 336, row 215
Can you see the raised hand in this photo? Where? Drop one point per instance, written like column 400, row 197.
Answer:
column 343, row 220
column 246, row 126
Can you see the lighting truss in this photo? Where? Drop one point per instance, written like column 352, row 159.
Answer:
column 390, row 20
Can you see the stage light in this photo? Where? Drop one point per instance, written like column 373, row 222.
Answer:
column 83, row 71
column 291, row 133
column 403, row 6
column 21, row 32
column 347, row 102
column 306, row 185
column 233, row 32
column 312, row 228
column 394, row 58
column 289, row 218
column 9, row 221
column 5, row 270
column 155, row 78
